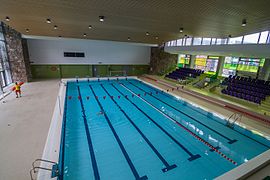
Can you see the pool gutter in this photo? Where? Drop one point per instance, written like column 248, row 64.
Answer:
column 249, row 168
column 52, row 146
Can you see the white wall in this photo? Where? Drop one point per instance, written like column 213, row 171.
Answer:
column 51, row 51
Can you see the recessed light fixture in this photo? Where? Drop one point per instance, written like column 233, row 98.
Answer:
column 244, row 22
column 89, row 27
column 147, row 33
column 101, row 18
column 27, row 30
column 7, row 18
column 55, row 27
column 181, row 30
column 156, row 37
column 48, row 21
column 129, row 38
column 84, row 34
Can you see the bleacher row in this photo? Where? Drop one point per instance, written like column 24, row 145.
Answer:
column 253, row 90
column 183, row 73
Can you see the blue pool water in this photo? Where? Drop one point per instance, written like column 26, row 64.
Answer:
column 126, row 129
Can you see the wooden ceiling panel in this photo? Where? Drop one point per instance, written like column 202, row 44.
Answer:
column 133, row 18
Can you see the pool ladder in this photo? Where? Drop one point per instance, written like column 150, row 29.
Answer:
column 54, row 169
column 234, row 117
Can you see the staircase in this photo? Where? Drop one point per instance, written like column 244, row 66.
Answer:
column 265, row 106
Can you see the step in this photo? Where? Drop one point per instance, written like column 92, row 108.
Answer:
column 265, row 103
column 265, row 109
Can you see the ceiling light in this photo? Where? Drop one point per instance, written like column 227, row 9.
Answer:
column 55, row 27
column 129, row 38
column 181, row 30
column 48, row 21
column 156, row 37
column 90, row 27
column 147, row 33
column 84, row 34
column 101, row 18
column 7, row 18
column 27, row 30
column 244, row 22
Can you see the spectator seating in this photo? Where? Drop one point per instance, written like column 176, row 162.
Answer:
column 183, row 73
column 253, row 90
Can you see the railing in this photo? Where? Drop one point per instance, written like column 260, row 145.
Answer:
column 54, row 168
column 234, row 117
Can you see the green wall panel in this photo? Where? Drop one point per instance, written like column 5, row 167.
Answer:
column 71, row 71
column 101, row 70
column 45, row 71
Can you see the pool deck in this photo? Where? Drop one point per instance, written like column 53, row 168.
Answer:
column 25, row 122
column 24, row 125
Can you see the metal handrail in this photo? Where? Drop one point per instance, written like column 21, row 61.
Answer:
column 234, row 116
column 34, row 169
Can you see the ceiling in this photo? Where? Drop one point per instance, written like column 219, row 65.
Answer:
column 133, row 18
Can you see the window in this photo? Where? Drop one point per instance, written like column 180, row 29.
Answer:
column 251, row 38
column 248, row 65
column 235, row 40
column 188, row 41
column 211, row 65
column 200, row 62
column 230, row 65
column 179, row 42
column 5, row 75
column 197, row 41
column 263, row 37
column 206, row 41
column 173, row 43
column 183, row 59
column 213, row 41
column 1, row 33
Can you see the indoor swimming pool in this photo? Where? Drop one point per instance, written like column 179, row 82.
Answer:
column 126, row 129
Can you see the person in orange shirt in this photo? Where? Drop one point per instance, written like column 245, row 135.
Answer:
column 17, row 88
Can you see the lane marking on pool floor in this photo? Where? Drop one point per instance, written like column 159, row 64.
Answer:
column 180, row 125
column 90, row 144
column 231, row 141
column 161, row 158
column 130, row 163
column 187, row 104
column 192, row 156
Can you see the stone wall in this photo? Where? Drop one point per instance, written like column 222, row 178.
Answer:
column 162, row 62
column 19, row 70
column 26, row 59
